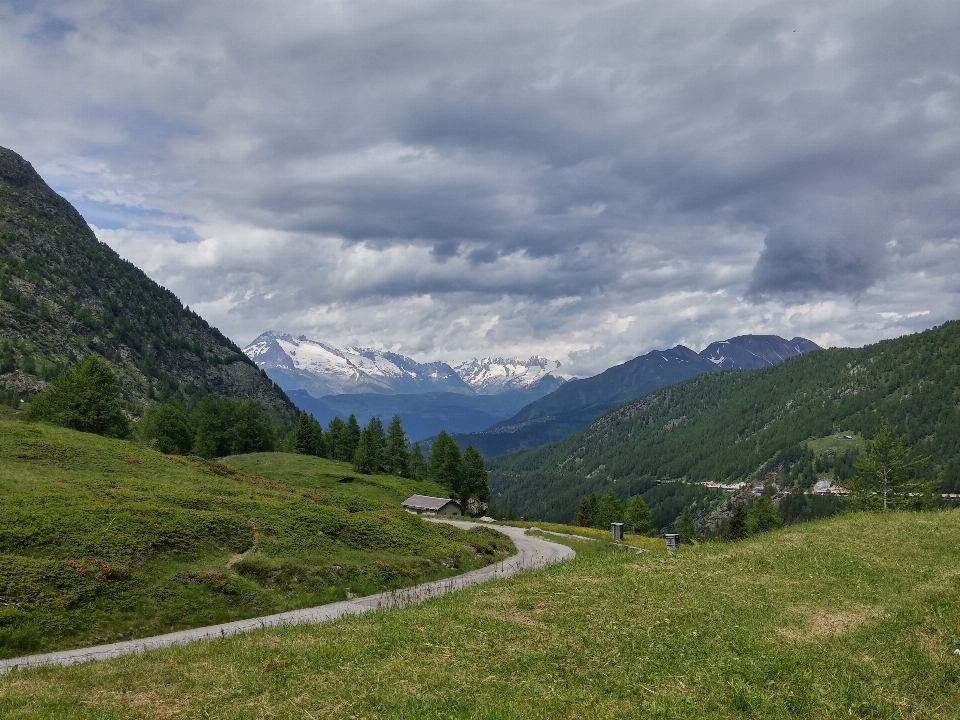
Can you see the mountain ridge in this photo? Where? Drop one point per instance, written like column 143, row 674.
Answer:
column 579, row 401
column 323, row 370
column 64, row 294
column 735, row 426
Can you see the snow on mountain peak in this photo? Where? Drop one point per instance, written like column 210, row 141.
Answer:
column 492, row 375
column 323, row 369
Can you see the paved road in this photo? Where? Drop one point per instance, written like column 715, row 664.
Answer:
column 533, row 552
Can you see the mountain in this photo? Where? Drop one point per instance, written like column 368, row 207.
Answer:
column 423, row 414
column 64, row 294
column 321, row 369
column 734, row 426
column 491, row 376
column 577, row 402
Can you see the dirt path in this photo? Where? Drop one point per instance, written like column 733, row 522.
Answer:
column 532, row 552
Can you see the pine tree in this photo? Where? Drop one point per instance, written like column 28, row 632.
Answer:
column 444, row 463
column 762, row 517
column 474, row 483
column 376, row 427
column 737, row 529
column 637, row 516
column 317, row 441
column 584, row 516
column 685, row 528
column 303, row 443
column 610, row 510
column 351, row 437
column 367, row 458
column 396, row 461
column 418, row 464
column 85, row 398
column 337, row 440
column 885, row 477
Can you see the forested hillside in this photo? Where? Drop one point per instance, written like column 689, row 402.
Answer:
column 576, row 403
column 64, row 294
column 740, row 425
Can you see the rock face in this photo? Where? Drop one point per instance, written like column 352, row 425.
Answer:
column 577, row 402
column 64, row 294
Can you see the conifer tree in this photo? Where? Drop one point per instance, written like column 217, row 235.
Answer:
column 762, row 517
column 303, row 442
column 584, row 516
column 444, row 463
column 637, row 516
column 318, row 441
column 418, row 464
column 376, row 427
column 367, row 457
column 886, row 474
column 337, row 440
column 351, row 437
column 685, row 528
column 737, row 529
column 474, row 483
column 610, row 510
column 396, row 461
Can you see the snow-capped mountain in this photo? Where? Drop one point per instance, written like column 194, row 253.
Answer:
column 322, row 369
column 491, row 376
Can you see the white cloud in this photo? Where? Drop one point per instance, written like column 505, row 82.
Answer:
column 584, row 181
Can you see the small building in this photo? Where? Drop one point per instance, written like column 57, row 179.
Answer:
column 822, row 487
column 421, row 504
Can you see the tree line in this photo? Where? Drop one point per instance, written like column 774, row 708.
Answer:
column 374, row 449
column 86, row 397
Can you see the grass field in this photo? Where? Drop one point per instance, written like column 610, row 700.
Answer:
column 851, row 617
column 103, row 540
column 836, row 442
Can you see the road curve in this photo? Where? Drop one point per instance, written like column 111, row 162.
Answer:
column 532, row 552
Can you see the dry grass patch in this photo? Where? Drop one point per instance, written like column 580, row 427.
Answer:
column 137, row 703
column 816, row 623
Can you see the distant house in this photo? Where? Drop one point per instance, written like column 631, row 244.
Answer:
column 421, row 504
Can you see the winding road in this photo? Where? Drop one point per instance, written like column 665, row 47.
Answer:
column 532, row 552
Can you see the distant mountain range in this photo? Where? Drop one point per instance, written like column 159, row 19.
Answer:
column 327, row 382
column 64, row 294
column 738, row 426
column 577, row 402
column 321, row 369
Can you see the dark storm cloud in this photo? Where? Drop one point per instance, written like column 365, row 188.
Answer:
column 597, row 178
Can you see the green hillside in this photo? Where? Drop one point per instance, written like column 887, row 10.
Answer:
column 738, row 425
column 103, row 540
column 64, row 294
column 852, row 617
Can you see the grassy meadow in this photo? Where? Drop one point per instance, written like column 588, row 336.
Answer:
column 104, row 540
column 852, row 617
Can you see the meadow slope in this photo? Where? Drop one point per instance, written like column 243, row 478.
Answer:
column 104, row 540
column 851, row 617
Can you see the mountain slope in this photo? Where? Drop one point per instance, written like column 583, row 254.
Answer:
column 740, row 425
column 64, row 294
column 423, row 414
column 577, row 402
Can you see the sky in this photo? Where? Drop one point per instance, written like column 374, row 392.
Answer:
column 584, row 181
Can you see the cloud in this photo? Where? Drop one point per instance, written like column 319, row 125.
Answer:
column 585, row 181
